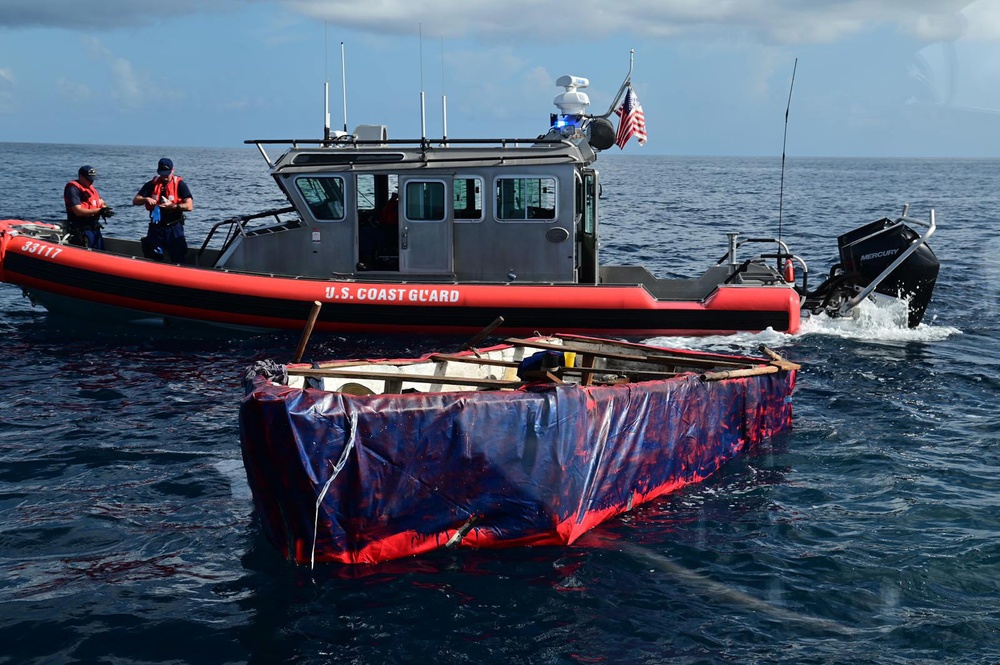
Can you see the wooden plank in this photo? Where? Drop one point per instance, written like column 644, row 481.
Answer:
column 686, row 361
column 541, row 375
column 587, row 377
column 333, row 372
column 740, row 373
column 633, row 374
column 586, row 373
column 445, row 357
column 586, row 370
column 587, row 362
column 644, row 348
column 366, row 362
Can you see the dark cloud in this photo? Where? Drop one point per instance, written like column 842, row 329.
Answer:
column 74, row 15
column 769, row 21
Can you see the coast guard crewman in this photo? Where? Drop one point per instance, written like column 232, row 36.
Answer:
column 83, row 209
column 166, row 197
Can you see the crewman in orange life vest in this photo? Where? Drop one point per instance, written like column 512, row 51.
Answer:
column 84, row 208
column 166, row 197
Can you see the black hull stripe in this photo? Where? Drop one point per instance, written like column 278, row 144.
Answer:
column 545, row 317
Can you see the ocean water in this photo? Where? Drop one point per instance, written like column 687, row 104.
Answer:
column 868, row 533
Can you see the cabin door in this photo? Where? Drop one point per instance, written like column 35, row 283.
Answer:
column 586, row 201
column 425, row 226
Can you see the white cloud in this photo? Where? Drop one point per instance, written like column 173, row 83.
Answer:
column 129, row 88
column 983, row 20
column 7, row 104
column 74, row 91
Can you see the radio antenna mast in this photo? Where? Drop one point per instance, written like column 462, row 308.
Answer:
column 781, row 192
column 326, row 84
column 343, row 79
column 444, row 98
column 423, row 115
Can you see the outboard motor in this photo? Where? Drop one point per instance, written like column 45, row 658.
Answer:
column 866, row 254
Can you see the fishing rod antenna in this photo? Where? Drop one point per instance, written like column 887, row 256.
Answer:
column 784, row 141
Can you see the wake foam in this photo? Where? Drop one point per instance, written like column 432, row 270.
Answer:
column 882, row 320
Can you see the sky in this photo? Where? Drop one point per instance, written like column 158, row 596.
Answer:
column 872, row 78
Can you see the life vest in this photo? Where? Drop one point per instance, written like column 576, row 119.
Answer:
column 166, row 188
column 171, row 188
column 89, row 198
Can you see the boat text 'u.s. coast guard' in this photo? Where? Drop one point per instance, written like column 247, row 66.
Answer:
column 383, row 294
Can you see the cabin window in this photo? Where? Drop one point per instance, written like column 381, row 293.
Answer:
column 526, row 198
column 424, row 201
column 324, row 196
column 467, row 198
column 590, row 204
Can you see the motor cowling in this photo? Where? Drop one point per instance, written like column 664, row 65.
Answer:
column 867, row 251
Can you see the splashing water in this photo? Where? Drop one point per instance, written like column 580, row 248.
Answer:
column 740, row 343
column 880, row 320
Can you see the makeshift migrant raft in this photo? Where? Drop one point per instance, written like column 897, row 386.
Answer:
column 531, row 442
column 478, row 228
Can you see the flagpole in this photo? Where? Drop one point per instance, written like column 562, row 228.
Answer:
column 625, row 84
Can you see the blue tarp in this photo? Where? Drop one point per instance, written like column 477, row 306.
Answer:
column 402, row 474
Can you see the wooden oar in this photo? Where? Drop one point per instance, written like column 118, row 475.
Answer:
column 739, row 373
column 310, row 322
column 481, row 335
column 778, row 364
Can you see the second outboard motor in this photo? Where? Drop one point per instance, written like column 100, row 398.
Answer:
column 865, row 253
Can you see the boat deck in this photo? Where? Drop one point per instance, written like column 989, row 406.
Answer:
column 590, row 362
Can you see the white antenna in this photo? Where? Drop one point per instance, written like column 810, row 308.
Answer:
column 326, row 85
column 444, row 98
column 423, row 115
column 343, row 78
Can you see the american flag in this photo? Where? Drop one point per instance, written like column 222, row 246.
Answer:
column 632, row 120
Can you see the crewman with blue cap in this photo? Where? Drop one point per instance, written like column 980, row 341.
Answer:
column 166, row 197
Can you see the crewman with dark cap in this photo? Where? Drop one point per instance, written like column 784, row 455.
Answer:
column 84, row 208
column 166, row 197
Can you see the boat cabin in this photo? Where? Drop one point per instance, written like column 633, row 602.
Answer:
column 465, row 210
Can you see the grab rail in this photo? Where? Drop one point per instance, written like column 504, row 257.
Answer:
column 239, row 225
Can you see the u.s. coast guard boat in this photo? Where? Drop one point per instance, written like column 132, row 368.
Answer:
column 445, row 236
